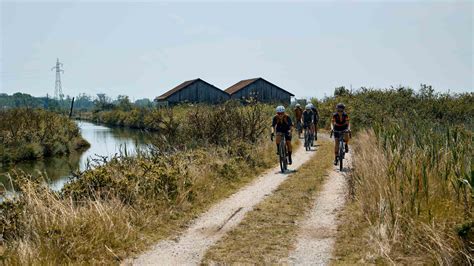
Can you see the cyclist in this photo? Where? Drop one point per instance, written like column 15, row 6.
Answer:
column 298, row 113
column 340, row 122
column 315, row 121
column 308, row 118
column 282, row 124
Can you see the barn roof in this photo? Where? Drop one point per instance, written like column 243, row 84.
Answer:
column 244, row 83
column 181, row 86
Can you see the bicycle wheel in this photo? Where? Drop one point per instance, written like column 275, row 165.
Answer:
column 340, row 164
column 285, row 154
column 306, row 140
column 282, row 157
column 341, row 155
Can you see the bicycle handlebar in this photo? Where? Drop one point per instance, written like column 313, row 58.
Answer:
column 341, row 131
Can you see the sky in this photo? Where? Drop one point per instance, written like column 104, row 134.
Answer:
column 142, row 49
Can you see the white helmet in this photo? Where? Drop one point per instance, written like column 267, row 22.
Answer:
column 298, row 105
column 308, row 106
column 311, row 104
column 280, row 109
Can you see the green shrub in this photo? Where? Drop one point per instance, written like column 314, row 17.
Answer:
column 198, row 125
column 369, row 106
column 29, row 134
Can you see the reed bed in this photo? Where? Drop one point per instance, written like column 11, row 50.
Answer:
column 412, row 184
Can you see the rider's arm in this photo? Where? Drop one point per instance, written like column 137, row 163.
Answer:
column 273, row 125
column 333, row 121
column 348, row 123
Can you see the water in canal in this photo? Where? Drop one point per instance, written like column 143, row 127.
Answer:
column 105, row 141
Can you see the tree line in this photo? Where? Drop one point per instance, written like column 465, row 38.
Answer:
column 82, row 102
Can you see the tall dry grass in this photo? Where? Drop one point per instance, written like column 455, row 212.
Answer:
column 52, row 230
column 413, row 189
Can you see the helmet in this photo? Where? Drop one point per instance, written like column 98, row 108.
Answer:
column 340, row 106
column 298, row 105
column 280, row 109
column 308, row 106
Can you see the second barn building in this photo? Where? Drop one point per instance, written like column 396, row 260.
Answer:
column 259, row 89
column 193, row 91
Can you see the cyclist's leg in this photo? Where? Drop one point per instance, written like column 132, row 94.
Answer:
column 299, row 128
column 289, row 147
column 336, row 146
column 288, row 143
column 304, row 133
column 346, row 141
column 316, row 130
column 277, row 141
column 302, row 128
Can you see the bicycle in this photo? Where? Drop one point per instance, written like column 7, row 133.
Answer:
column 315, row 131
column 282, row 154
column 298, row 128
column 307, row 138
column 341, row 152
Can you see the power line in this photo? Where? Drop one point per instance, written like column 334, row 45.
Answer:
column 58, row 90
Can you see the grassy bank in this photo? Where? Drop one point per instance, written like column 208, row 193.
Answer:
column 29, row 134
column 267, row 233
column 118, row 209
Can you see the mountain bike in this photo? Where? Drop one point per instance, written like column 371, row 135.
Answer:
column 307, row 138
column 341, row 152
column 299, row 128
column 315, row 132
column 282, row 154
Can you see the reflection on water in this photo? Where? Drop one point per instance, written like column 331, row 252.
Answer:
column 104, row 141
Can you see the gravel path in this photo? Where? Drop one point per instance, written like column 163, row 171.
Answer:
column 317, row 232
column 190, row 247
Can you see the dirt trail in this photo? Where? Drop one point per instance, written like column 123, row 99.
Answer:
column 317, row 232
column 190, row 247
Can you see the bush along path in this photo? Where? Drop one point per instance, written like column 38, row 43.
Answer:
column 206, row 230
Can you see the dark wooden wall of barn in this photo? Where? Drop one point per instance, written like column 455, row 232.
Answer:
column 199, row 92
column 264, row 92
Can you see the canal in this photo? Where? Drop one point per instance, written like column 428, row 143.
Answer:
column 105, row 141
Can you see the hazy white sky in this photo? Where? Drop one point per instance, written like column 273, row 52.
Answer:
column 144, row 49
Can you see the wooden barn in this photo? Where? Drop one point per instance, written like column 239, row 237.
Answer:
column 260, row 89
column 193, row 91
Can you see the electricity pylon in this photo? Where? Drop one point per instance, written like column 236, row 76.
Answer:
column 58, row 90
